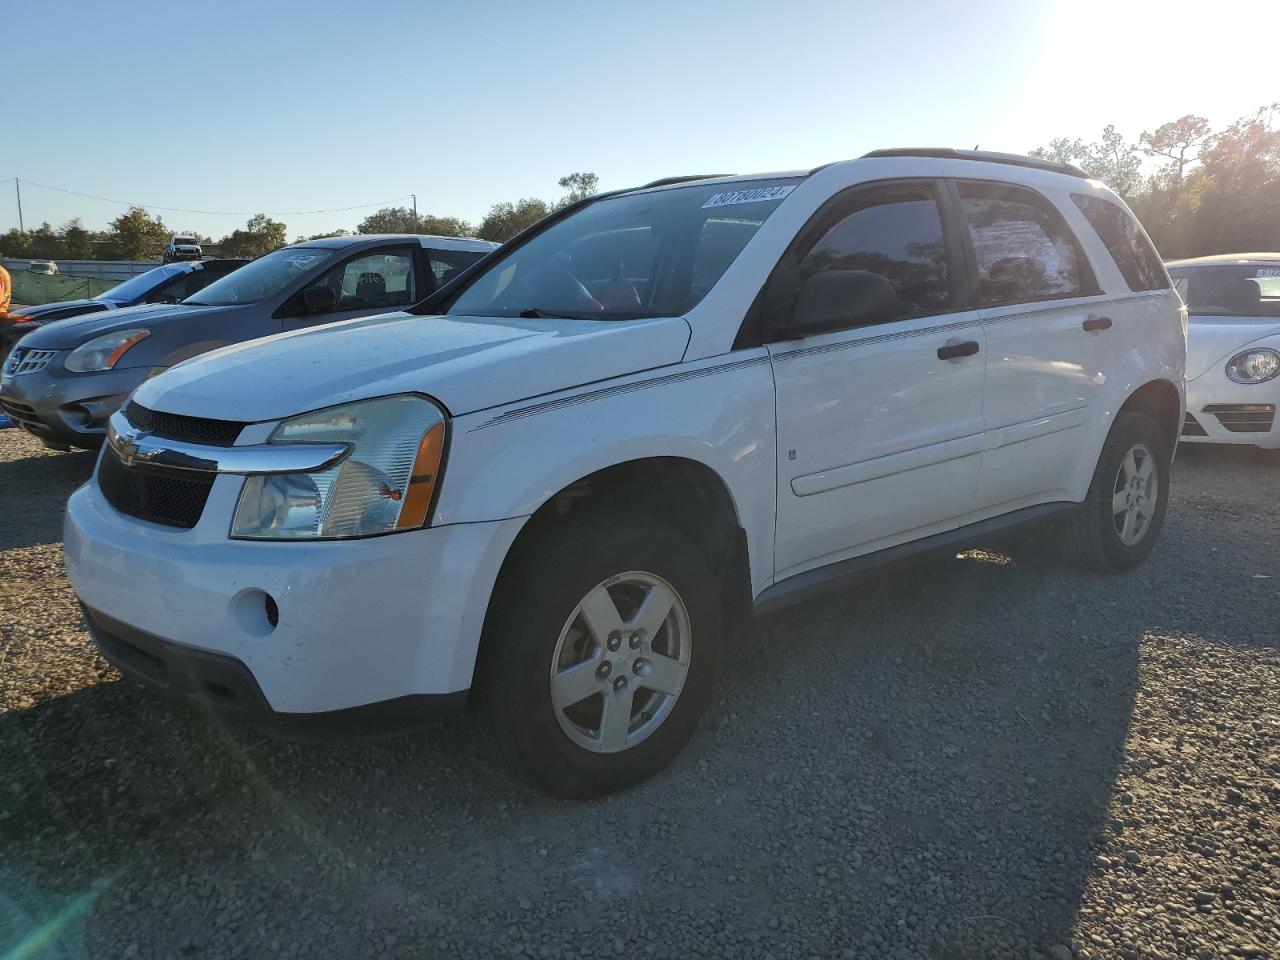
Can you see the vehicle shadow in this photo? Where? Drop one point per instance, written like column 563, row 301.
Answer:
column 934, row 750
column 33, row 494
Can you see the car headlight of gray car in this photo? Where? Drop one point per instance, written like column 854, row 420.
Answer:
column 1254, row 366
column 385, row 484
column 104, row 352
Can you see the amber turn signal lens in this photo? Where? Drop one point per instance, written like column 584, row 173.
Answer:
column 422, row 484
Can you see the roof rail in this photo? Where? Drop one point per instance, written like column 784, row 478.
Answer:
column 987, row 156
column 668, row 181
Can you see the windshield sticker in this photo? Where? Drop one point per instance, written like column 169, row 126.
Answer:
column 1268, row 272
column 758, row 195
column 299, row 260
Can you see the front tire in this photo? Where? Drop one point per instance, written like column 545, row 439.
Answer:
column 600, row 653
column 1117, row 526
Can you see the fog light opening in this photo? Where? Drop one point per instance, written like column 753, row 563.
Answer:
column 255, row 612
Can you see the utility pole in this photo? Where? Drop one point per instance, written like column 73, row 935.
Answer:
column 18, row 189
column 415, row 212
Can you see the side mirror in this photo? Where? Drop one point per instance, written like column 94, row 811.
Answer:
column 319, row 299
column 840, row 299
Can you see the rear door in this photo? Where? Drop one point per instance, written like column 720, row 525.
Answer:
column 880, row 427
column 380, row 280
column 1048, row 336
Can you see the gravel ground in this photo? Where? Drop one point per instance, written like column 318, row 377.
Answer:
column 988, row 756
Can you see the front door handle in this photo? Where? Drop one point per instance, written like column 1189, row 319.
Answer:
column 954, row 351
column 1096, row 324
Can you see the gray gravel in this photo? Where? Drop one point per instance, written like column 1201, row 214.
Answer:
column 988, row 756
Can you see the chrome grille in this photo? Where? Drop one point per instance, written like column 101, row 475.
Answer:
column 23, row 360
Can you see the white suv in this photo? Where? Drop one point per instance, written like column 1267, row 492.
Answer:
column 559, row 486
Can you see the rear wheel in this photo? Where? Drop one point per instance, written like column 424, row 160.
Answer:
column 1119, row 522
column 600, row 654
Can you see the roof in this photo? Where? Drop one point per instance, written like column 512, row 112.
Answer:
column 1218, row 258
column 426, row 239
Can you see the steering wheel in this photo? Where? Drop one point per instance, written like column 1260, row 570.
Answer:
column 575, row 288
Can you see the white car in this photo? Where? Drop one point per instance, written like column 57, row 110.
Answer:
column 182, row 246
column 560, row 486
column 1233, row 349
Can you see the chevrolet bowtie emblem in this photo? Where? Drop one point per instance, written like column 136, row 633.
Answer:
column 126, row 444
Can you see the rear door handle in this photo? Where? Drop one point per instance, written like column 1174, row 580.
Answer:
column 954, row 351
column 1095, row 323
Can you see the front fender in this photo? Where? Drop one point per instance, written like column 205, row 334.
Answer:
column 509, row 461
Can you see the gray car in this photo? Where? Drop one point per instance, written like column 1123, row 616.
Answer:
column 62, row 381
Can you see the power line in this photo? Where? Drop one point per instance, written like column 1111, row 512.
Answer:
column 211, row 213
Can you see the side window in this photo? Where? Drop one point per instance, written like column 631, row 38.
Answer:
column 447, row 264
column 1025, row 250
column 1128, row 245
column 179, row 288
column 373, row 280
column 896, row 234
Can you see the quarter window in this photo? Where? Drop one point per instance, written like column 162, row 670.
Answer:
column 1128, row 245
column 447, row 264
column 1024, row 249
column 898, row 235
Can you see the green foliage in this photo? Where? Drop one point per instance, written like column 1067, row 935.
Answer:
column 505, row 220
column 138, row 236
column 1209, row 193
column 579, row 187
column 400, row 220
column 261, row 235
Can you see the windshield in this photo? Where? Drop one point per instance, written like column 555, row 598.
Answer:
column 185, row 241
column 1229, row 289
column 653, row 254
column 137, row 287
column 262, row 278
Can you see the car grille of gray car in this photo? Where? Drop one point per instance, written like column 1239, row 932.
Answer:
column 23, row 360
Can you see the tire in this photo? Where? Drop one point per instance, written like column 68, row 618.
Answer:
column 535, row 621
column 1098, row 537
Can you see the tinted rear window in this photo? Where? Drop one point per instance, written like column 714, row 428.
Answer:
column 1229, row 289
column 1128, row 245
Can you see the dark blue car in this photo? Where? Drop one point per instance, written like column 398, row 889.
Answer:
column 171, row 283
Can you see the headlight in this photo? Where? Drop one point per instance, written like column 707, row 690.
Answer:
column 386, row 483
column 104, row 352
column 1254, row 366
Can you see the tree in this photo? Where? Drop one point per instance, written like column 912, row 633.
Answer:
column 1179, row 141
column 136, row 235
column 261, row 235
column 1239, row 199
column 400, row 220
column 1110, row 160
column 77, row 242
column 505, row 220
column 579, row 187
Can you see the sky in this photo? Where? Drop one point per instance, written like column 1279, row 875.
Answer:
column 279, row 107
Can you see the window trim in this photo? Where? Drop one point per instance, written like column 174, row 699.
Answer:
column 1089, row 286
column 761, row 325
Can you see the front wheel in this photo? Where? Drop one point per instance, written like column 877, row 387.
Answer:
column 600, row 653
column 1117, row 526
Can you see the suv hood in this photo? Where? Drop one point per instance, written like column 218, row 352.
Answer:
column 1213, row 339
column 69, row 333
column 36, row 312
column 467, row 363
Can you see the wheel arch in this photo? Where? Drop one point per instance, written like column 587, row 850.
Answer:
column 1162, row 402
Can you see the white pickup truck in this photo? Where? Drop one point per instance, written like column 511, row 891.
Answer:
column 559, row 487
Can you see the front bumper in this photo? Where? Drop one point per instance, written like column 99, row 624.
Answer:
column 1219, row 410
column 357, row 622
column 66, row 409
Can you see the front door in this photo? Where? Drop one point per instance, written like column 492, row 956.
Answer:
column 880, row 427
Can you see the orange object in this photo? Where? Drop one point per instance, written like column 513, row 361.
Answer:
column 422, row 483
column 119, row 351
column 6, row 290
